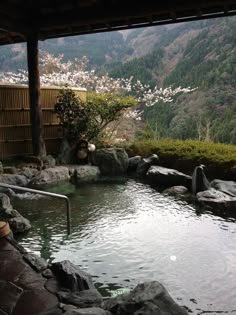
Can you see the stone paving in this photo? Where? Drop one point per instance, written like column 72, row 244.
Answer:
column 22, row 290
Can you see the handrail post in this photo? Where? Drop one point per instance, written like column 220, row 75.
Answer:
column 68, row 216
column 45, row 193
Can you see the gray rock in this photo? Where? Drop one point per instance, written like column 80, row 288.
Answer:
column 47, row 273
column 28, row 172
column 68, row 307
column 5, row 203
column 84, row 173
column 85, row 298
column 176, row 190
column 148, row 298
column 17, row 222
column 217, row 200
column 14, row 179
column 87, row 311
column 111, row 161
column 71, row 276
column 36, row 262
column 9, row 170
column 48, row 161
column 53, row 285
column 35, row 161
column 133, row 163
column 199, row 180
column 228, row 187
column 146, row 163
column 25, row 196
column 50, row 176
column 168, row 177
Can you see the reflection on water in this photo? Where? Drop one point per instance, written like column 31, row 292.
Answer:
column 126, row 233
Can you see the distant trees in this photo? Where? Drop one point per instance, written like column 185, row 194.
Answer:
column 141, row 69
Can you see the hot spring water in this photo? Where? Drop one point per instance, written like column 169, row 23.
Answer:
column 125, row 233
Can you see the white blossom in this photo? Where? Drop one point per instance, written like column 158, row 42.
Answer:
column 55, row 71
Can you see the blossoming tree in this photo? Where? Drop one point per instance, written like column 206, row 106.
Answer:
column 55, row 71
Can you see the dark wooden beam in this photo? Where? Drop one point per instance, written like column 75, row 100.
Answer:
column 12, row 35
column 39, row 148
column 13, row 18
column 126, row 24
column 119, row 11
column 73, row 17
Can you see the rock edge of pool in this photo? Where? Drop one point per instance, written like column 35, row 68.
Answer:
column 29, row 285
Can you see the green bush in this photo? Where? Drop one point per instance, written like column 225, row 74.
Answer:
column 72, row 114
column 104, row 108
column 216, row 156
column 189, row 149
column 89, row 119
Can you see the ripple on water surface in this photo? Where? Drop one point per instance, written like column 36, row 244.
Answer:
column 127, row 233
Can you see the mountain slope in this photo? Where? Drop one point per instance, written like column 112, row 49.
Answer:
column 198, row 54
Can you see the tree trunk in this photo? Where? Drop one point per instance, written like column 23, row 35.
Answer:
column 39, row 148
column 208, row 130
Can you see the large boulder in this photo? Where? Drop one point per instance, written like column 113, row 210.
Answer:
column 37, row 263
column 73, row 286
column 199, row 180
column 145, row 164
column 50, row 176
column 71, row 276
column 217, row 200
column 168, row 177
column 111, row 161
column 48, row 161
column 133, row 163
column 227, row 187
column 14, row 179
column 28, row 172
column 84, row 173
column 17, row 222
column 85, row 298
column 176, row 191
column 147, row 298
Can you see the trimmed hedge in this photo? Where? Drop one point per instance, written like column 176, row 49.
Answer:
column 184, row 155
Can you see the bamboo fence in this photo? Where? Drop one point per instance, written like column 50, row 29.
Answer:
column 15, row 128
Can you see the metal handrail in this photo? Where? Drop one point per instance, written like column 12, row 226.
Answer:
column 40, row 192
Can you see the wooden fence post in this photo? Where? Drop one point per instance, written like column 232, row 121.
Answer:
column 39, row 148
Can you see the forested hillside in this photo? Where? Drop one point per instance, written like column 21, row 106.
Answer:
column 199, row 54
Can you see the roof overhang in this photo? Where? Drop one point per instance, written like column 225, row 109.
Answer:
column 60, row 18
